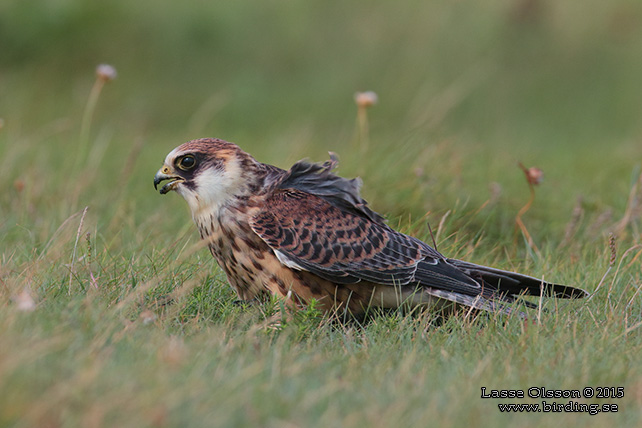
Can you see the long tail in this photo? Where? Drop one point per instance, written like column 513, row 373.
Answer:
column 515, row 283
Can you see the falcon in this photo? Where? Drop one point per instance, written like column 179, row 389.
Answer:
column 306, row 234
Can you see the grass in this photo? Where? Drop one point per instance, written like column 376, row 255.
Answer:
column 113, row 314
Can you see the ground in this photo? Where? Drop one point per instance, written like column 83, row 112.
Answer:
column 113, row 314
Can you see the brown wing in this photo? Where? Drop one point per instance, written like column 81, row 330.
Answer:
column 309, row 233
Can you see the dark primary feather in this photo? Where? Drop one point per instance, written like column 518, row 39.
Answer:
column 516, row 283
column 320, row 222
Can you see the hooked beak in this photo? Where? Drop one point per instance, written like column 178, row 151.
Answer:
column 165, row 174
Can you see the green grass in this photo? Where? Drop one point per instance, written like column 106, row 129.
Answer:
column 119, row 316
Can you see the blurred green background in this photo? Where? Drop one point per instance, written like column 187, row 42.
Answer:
column 120, row 318
column 466, row 89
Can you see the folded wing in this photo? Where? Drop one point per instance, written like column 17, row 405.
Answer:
column 309, row 233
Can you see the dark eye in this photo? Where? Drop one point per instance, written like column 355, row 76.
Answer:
column 186, row 162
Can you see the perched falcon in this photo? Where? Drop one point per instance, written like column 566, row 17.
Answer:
column 306, row 234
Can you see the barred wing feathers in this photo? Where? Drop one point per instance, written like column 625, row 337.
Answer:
column 317, row 221
column 309, row 233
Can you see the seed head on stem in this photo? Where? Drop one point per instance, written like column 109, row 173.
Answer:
column 365, row 99
column 534, row 176
column 106, row 72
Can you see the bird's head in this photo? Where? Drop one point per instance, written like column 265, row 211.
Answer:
column 207, row 172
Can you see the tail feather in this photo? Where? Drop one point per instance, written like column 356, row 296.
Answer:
column 478, row 302
column 516, row 283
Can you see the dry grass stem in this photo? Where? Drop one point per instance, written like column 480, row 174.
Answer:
column 573, row 224
column 104, row 73
column 442, row 223
column 612, row 258
column 632, row 208
column 364, row 101
column 73, row 254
